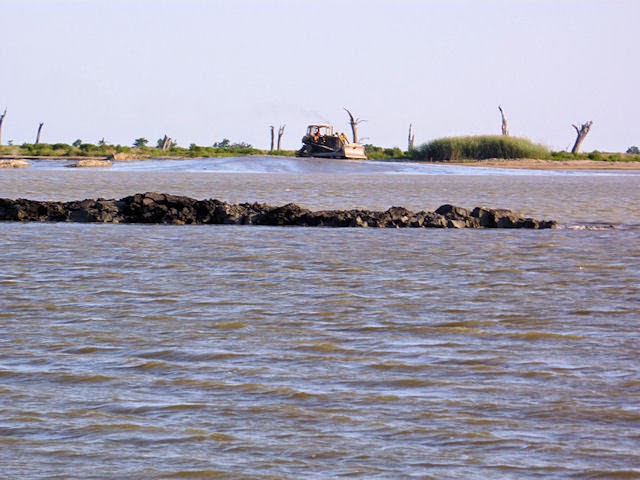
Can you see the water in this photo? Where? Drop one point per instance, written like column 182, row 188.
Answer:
column 264, row 352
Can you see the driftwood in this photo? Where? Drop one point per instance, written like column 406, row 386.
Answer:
column 505, row 126
column 582, row 133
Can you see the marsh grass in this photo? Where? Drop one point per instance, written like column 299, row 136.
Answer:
column 479, row 148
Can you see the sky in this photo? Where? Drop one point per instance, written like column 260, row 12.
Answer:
column 204, row 70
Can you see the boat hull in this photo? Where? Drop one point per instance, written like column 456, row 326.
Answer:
column 323, row 142
column 340, row 150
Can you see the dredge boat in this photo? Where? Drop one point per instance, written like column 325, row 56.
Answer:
column 321, row 141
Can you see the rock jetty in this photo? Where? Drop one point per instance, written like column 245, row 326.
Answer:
column 161, row 208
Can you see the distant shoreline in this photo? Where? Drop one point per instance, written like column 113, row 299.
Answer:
column 518, row 163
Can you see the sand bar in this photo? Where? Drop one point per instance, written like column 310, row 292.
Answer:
column 537, row 164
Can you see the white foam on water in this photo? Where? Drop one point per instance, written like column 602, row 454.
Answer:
column 266, row 164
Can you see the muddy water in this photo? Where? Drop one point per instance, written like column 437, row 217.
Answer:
column 258, row 352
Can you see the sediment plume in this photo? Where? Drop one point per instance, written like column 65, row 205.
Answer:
column 162, row 208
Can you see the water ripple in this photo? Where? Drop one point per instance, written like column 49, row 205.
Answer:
column 250, row 352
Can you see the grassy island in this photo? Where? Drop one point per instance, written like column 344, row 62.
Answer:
column 103, row 150
column 500, row 147
column 480, row 149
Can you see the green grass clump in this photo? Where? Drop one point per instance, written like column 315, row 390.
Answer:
column 381, row 153
column 597, row 156
column 479, row 148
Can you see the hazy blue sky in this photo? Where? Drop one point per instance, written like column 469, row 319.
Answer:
column 202, row 70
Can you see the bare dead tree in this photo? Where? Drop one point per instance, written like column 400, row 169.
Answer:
column 272, row 129
column 280, row 134
column 1, row 121
column 167, row 143
column 505, row 126
column 582, row 133
column 354, row 122
column 411, row 139
column 39, row 132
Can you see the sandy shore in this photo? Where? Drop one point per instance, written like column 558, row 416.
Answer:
column 536, row 164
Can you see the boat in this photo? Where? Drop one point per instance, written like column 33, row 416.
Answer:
column 321, row 141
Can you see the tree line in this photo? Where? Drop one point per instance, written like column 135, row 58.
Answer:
column 168, row 146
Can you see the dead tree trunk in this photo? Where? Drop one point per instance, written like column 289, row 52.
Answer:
column 1, row 121
column 280, row 134
column 582, row 133
column 272, row 128
column 411, row 138
column 505, row 126
column 39, row 132
column 354, row 122
column 167, row 142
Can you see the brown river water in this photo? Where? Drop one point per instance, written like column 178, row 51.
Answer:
column 160, row 352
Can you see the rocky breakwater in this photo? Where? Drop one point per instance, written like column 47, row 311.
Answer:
column 163, row 208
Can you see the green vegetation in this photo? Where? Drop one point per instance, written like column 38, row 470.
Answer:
column 597, row 156
column 140, row 142
column 382, row 153
column 497, row 146
column 478, row 148
column 440, row 150
column 224, row 148
column 61, row 150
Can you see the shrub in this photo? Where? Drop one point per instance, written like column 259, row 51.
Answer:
column 562, row 155
column 596, row 155
column 225, row 143
column 140, row 142
column 478, row 148
column 38, row 149
column 380, row 153
column 10, row 150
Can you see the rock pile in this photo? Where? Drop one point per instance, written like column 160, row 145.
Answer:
column 179, row 210
column 13, row 163
column 91, row 162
